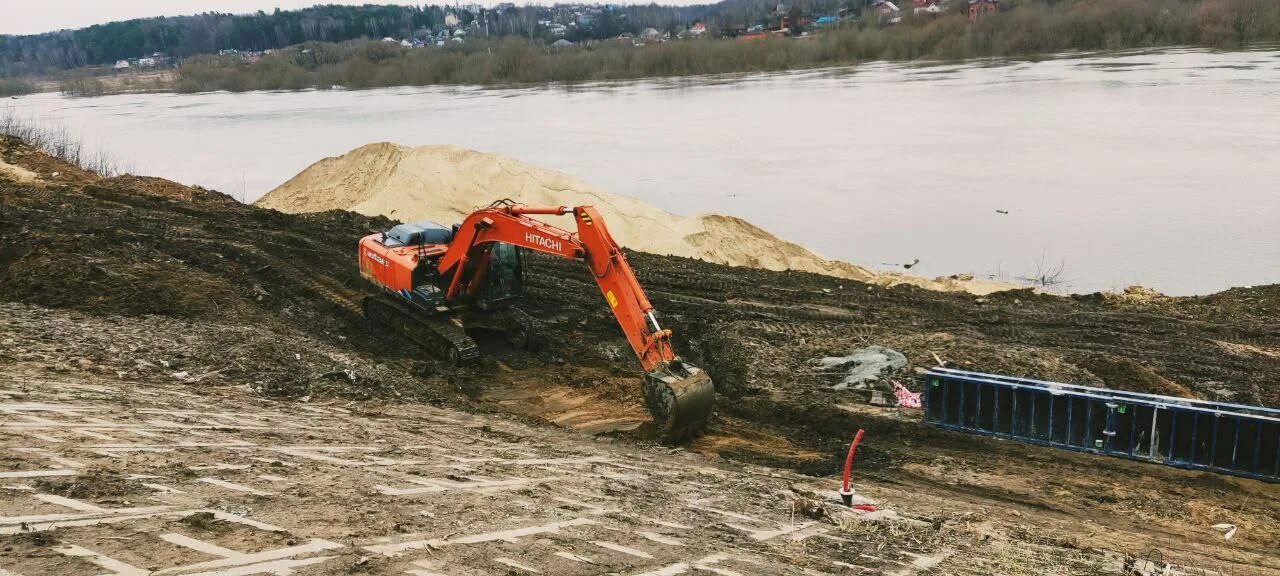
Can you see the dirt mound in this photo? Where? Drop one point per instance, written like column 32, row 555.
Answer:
column 444, row 183
column 1135, row 376
column 185, row 283
column 137, row 245
column 1137, row 294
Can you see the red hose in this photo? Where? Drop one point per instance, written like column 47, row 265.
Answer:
column 848, row 460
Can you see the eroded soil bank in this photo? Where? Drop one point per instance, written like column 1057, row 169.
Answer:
column 142, row 280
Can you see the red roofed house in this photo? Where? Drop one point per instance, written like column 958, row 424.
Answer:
column 979, row 8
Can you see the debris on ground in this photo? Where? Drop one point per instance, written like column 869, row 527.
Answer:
column 906, row 398
column 1228, row 530
column 96, row 483
column 862, row 366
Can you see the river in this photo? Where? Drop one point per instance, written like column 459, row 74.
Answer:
column 1159, row 168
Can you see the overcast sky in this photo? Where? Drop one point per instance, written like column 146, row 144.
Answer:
column 35, row 16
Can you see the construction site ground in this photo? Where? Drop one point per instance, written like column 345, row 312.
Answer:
column 186, row 387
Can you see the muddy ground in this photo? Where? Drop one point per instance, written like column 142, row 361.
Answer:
column 147, row 282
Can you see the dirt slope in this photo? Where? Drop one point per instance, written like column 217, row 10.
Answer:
column 444, row 183
column 123, row 280
column 201, row 480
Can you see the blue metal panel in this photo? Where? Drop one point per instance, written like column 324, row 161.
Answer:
column 1013, row 419
column 960, row 394
column 992, row 403
column 1088, row 427
column 1235, row 441
column 1195, row 429
column 1213, row 452
column 1133, row 432
column 1257, row 447
column 1275, row 466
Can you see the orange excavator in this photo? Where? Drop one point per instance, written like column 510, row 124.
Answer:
column 439, row 282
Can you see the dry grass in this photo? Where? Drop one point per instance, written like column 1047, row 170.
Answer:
column 60, row 143
column 15, row 87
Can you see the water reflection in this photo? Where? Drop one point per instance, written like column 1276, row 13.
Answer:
column 1152, row 167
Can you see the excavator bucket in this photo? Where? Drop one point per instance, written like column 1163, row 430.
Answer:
column 679, row 396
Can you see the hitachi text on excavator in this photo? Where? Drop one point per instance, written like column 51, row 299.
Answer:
column 437, row 282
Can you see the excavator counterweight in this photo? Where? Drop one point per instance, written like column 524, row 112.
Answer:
column 432, row 275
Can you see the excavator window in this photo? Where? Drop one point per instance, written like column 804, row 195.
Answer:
column 417, row 233
column 504, row 280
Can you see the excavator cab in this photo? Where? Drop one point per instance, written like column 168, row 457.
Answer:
column 504, row 278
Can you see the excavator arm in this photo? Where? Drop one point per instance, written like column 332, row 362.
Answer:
column 677, row 394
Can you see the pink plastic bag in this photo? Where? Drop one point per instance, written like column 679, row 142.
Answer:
column 906, row 398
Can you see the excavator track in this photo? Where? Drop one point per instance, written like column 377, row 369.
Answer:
column 520, row 329
column 437, row 334
column 524, row 331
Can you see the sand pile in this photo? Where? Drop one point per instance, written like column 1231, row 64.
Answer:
column 444, row 183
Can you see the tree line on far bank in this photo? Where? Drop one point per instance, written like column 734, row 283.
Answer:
column 210, row 32
column 1027, row 28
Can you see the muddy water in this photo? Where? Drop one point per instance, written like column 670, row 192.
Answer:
column 1161, row 169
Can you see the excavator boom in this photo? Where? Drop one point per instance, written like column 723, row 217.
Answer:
column 677, row 394
column 429, row 268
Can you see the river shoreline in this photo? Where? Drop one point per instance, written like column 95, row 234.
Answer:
column 166, row 81
column 887, row 162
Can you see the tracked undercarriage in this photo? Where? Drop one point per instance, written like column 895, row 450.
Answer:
column 443, row 333
column 437, row 334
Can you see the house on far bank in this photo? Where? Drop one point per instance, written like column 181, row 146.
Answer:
column 121, row 65
column 698, row 30
column 979, row 8
column 926, row 7
column 561, row 43
column 889, row 12
column 650, row 35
